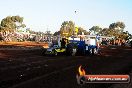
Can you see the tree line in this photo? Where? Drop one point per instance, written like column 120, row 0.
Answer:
column 115, row 29
column 11, row 24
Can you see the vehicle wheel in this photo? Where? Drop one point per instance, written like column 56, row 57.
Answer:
column 95, row 51
column 69, row 52
column 55, row 53
column 90, row 51
column 69, row 49
column 74, row 52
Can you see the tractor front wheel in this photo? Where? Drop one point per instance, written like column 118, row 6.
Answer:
column 55, row 52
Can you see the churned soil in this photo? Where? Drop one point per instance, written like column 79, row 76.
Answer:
column 27, row 68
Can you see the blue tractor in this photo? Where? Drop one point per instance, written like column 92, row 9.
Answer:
column 75, row 46
column 87, row 46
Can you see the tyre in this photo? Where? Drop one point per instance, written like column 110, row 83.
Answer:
column 69, row 49
column 74, row 52
column 95, row 51
column 55, row 53
column 90, row 51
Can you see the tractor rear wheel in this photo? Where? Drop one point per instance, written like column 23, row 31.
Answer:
column 93, row 51
column 70, row 49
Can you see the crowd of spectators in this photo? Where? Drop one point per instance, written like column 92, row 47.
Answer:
column 118, row 42
column 16, row 36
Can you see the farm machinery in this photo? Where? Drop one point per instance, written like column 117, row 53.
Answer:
column 74, row 46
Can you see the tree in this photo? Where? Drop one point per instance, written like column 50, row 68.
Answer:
column 95, row 29
column 125, row 35
column 67, row 28
column 56, row 33
column 81, row 30
column 117, row 29
column 11, row 23
column 120, row 25
column 104, row 32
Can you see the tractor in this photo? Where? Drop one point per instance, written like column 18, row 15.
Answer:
column 74, row 46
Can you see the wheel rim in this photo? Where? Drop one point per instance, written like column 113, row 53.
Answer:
column 95, row 51
column 55, row 53
column 90, row 51
column 73, row 52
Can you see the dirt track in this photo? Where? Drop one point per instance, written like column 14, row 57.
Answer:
column 29, row 69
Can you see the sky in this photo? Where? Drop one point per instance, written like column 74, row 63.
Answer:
column 43, row 15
